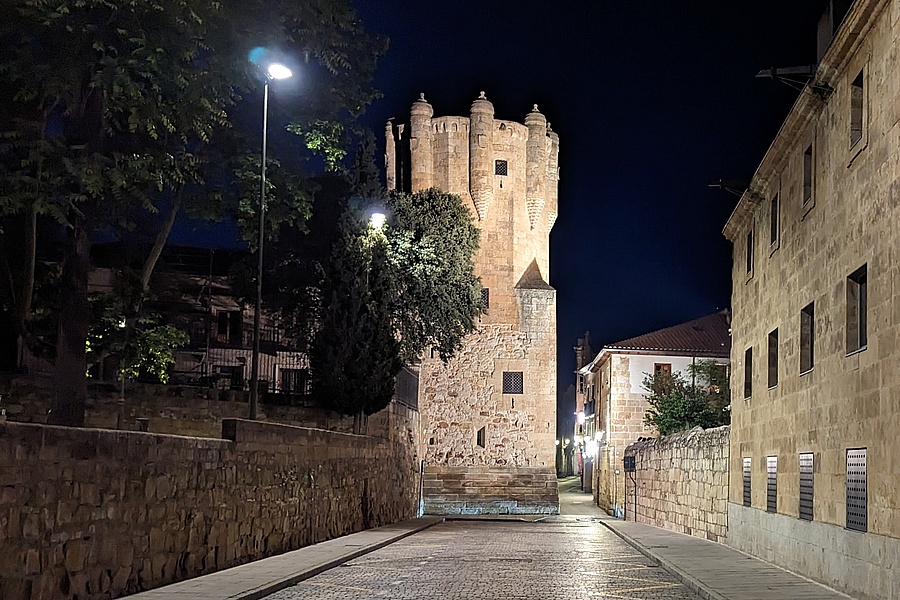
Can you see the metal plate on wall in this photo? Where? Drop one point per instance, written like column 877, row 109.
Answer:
column 857, row 494
column 747, row 464
column 771, row 484
column 806, row 486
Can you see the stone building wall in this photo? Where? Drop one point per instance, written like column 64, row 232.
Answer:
column 682, row 483
column 91, row 513
column 507, row 174
column 838, row 210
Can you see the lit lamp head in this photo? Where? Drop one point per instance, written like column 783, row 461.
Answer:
column 278, row 71
column 580, row 415
column 377, row 220
column 591, row 447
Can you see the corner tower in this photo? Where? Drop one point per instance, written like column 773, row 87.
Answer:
column 489, row 415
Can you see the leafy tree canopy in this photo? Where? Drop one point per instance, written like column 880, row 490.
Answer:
column 678, row 404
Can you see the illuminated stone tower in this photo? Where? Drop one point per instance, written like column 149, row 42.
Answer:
column 489, row 415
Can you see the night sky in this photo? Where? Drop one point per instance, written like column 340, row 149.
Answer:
column 652, row 102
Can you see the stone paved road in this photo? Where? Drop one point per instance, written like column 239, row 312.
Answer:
column 562, row 557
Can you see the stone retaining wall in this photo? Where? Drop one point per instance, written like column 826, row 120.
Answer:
column 489, row 490
column 682, row 483
column 92, row 513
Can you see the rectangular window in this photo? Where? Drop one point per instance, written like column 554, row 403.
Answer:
column 481, row 438
column 513, row 382
column 806, row 486
column 772, row 484
column 857, row 494
column 746, row 475
column 857, row 108
column 773, row 358
column 748, row 372
column 295, row 381
column 229, row 327
column 500, row 167
column 807, row 337
column 749, row 252
column 660, row 368
column 486, row 297
column 857, row 300
column 807, row 175
column 773, row 221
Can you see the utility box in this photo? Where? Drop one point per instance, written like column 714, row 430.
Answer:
column 628, row 464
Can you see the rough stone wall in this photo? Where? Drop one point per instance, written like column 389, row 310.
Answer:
column 493, row 490
column 848, row 399
column 91, row 514
column 682, row 483
column 518, row 331
column 177, row 410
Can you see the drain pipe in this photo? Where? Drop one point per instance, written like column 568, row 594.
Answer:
column 421, row 510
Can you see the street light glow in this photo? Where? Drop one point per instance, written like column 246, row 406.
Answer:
column 278, row 71
column 377, row 220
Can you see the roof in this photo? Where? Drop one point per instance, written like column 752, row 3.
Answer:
column 707, row 336
column 710, row 335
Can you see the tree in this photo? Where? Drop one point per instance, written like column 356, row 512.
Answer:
column 123, row 109
column 677, row 404
column 389, row 295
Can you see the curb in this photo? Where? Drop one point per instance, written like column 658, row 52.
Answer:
column 286, row 582
column 690, row 582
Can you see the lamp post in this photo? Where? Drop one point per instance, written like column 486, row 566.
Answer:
column 275, row 71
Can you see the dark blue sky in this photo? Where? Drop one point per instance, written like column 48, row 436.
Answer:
column 652, row 102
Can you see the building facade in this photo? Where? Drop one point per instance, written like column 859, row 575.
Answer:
column 614, row 381
column 816, row 350
column 489, row 414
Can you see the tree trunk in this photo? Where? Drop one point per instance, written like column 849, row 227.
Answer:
column 159, row 244
column 26, row 291
column 67, row 407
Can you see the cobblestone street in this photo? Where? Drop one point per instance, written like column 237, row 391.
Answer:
column 561, row 557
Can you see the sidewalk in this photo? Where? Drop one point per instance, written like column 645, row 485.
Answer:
column 260, row 578
column 714, row 571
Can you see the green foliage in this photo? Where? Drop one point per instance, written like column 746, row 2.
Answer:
column 677, row 404
column 389, row 295
column 142, row 346
column 324, row 138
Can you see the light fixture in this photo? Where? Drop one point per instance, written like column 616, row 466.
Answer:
column 377, row 220
column 278, row 71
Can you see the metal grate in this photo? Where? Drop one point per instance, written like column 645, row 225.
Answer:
column 806, row 486
column 513, row 382
column 772, row 484
column 747, row 463
column 500, row 167
column 486, row 297
column 857, row 496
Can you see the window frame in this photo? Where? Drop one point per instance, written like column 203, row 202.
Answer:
column 857, row 314
column 808, row 183
column 808, row 312
column 748, row 373
column 512, row 374
column 774, row 223
column 749, row 249
column 772, row 360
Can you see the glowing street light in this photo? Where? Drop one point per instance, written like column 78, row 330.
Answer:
column 377, row 220
column 273, row 72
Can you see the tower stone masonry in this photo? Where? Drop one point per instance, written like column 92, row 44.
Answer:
column 489, row 414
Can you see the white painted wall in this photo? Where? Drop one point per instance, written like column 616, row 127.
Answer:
column 641, row 365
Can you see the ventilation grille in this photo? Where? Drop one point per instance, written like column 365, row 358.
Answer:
column 857, row 497
column 806, row 486
column 747, row 462
column 771, row 484
column 500, row 167
column 513, row 382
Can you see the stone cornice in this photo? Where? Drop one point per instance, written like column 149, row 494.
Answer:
column 847, row 40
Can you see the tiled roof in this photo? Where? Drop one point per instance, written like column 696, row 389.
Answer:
column 707, row 336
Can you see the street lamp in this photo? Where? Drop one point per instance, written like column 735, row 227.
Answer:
column 274, row 71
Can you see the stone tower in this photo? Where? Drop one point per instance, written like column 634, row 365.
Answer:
column 489, row 414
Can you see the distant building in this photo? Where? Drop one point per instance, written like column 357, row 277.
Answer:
column 816, row 351
column 489, row 415
column 614, row 380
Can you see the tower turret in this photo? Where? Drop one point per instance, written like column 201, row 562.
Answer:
column 420, row 152
column 390, row 155
column 481, row 154
column 536, row 164
column 552, row 178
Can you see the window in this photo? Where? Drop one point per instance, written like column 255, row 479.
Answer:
column 807, row 337
column 748, row 372
column 229, row 327
column 857, row 299
column 486, row 297
column 294, row 381
column 746, row 476
column 749, row 250
column 773, row 358
column 773, row 222
column 806, row 486
column 857, row 108
column 807, row 175
column 857, row 495
column 500, row 168
column 772, row 484
column 480, row 438
column 660, row 368
column 513, row 382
